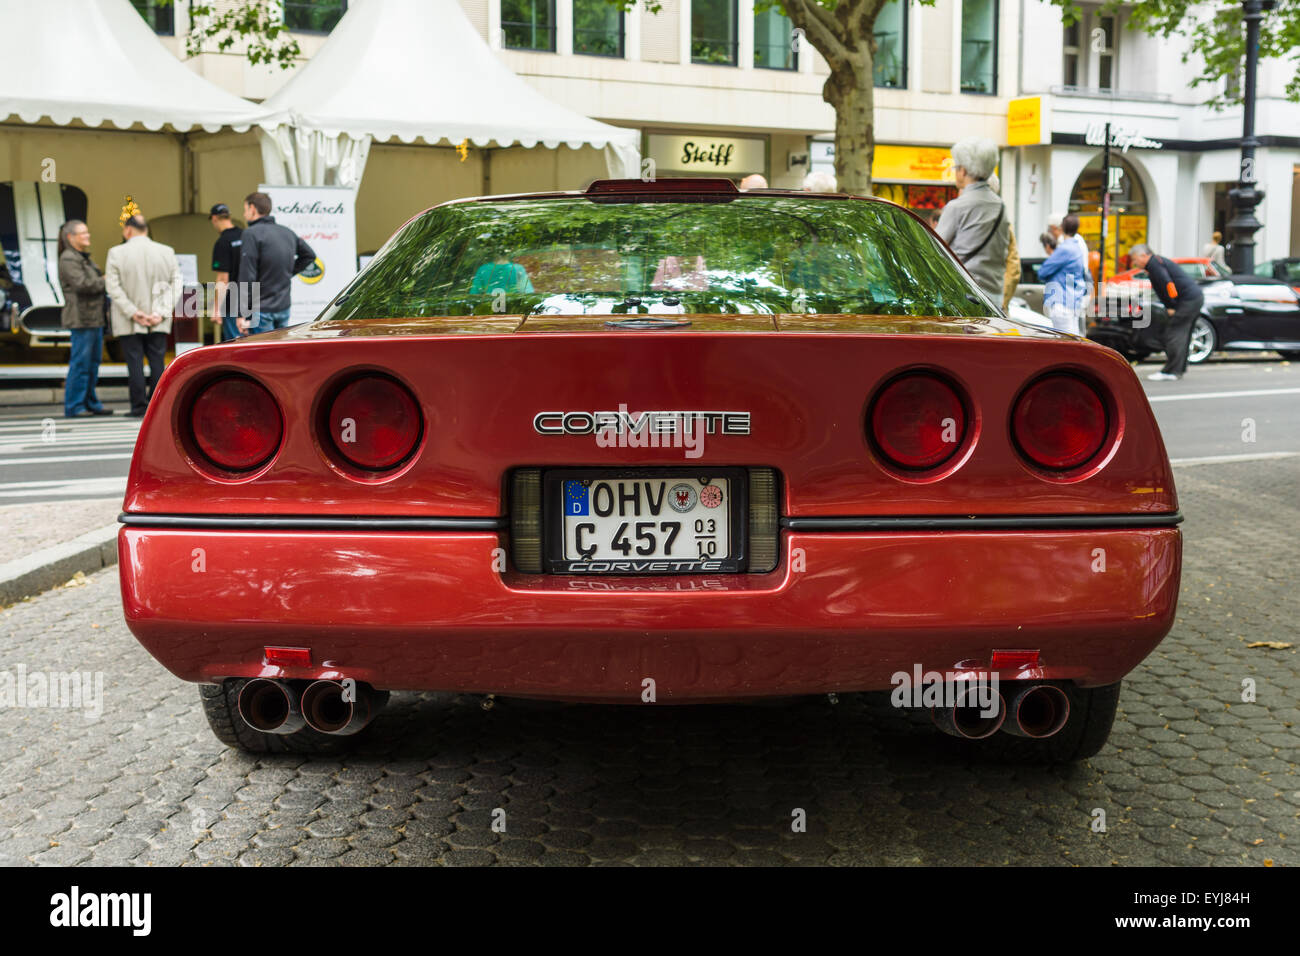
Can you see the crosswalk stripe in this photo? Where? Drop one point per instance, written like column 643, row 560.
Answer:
column 54, row 459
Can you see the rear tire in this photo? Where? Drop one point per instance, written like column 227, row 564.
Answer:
column 1092, row 712
column 220, row 706
column 1204, row 341
column 1292, row 354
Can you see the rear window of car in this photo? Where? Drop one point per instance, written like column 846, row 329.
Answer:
column 1029, row 271
column 1194, row 269
column 572, row 256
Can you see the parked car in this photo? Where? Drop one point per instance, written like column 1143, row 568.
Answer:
column 1288, row 270
column 1241, row 313
column 1031, row 287
column 655, row 441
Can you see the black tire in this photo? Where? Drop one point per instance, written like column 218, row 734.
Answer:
column 1139, row 355
column 1092, row 712
column 1292, row 354
column 220, row 706
column 1204, row 341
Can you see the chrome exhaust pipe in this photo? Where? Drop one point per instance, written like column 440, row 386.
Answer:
column 967, row 717
column 1037, row 711
column 270, row 706
column 326, row 710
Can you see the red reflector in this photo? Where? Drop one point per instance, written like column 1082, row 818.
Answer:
column 1009, row 660
column 236, row 423
column 288, row 656
column 918, row 421
column 374, row 422
column 1059, row 422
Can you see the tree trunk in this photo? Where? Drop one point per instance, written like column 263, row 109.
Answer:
column 851, row 90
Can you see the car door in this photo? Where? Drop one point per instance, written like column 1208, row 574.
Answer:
column 1270, row 313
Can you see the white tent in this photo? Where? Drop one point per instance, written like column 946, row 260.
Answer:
column 97, row 62
column 415, row 70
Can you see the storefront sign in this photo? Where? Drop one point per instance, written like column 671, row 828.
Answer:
column 325, row 218
column 716, row 155
column 1121, row 137
column 905, row 164
column 1025, row 126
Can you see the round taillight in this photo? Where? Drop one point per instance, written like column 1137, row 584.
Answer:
column 918, row 421
column 236, row 423
column 374, row 422
column 1060, row 422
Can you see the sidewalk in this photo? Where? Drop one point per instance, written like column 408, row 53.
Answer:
column 47, row 543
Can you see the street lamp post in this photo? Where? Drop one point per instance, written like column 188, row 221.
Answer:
column 1246, row 195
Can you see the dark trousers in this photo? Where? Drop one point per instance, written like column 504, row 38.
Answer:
column 83, row 371
column 135, row 348
column 1177, row 337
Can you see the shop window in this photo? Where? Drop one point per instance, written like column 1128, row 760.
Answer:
column 891, row 45
column 160, row 16
column 528, row 25
column 979, row 46
column 597, row 28
column 1128, row 224
column 1103, row 37
column 713, row 32
column 772, row 47
column 313, row 16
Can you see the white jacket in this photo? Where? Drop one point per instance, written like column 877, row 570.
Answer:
column 142, row 275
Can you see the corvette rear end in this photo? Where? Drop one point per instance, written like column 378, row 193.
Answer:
column 616, row 446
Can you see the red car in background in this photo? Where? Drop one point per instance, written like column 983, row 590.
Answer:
column 653, row 442
column 1195, row 267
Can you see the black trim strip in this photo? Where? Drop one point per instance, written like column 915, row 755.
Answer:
column 1186, row 145
column 312, row 522
column 981, row 522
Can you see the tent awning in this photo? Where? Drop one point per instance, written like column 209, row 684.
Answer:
column 418, row 70
column 97, row 62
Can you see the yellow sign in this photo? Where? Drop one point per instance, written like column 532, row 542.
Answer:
column 1025, row 121
column 925, row 164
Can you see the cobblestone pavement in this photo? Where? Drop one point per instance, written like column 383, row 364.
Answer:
column 1191, row 774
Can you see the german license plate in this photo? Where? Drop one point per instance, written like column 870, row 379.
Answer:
column 648, row 522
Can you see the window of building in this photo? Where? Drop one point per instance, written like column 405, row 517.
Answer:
column 1071, row 77
column 979, row 46
column 159, row 16
column 891, row 45
column 528, row 25
column 597, row 28
column 713, row 32
column 772, row 41
column 1090, row 60
column 313, row 16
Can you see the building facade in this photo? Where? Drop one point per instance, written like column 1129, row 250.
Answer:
column 1177, row 159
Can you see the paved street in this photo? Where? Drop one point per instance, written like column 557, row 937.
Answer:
column 1192, row 775
column 46, row 457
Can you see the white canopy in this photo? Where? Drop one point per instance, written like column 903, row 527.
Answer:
column 97, row 61
column 417, row 70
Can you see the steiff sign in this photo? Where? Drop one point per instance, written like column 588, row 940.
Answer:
column 716, row 155
column 1121, row 138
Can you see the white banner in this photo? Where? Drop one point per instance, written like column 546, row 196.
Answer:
column 325, row 218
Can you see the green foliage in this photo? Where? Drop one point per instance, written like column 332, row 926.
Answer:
column 259, row 24
column 1216, row 36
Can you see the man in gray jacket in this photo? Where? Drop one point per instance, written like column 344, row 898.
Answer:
column 271, row 256
column 83, row 315
column 975, row 224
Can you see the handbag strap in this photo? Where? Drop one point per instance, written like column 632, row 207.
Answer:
column 996, row 223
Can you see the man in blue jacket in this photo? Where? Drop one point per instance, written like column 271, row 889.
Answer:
column 271, row 255
column 1065, row 284
column 1182, row 299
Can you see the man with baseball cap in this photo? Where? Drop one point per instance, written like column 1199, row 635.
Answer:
column 225, row 263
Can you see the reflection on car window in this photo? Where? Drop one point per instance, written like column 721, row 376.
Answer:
column 756, row 254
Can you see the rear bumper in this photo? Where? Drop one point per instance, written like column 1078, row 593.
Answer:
column 843, row 612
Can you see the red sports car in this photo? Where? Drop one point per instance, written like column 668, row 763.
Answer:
column 663, row 442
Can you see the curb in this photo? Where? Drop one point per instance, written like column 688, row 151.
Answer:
column 55, row 565
column 54, row 396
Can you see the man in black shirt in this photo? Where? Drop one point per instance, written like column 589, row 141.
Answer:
column 225, row 263
column 1182, row 299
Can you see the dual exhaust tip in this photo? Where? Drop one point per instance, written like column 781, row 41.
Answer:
column 326, row 706
column 1033, row 710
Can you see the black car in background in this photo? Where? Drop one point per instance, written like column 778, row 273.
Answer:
column 1241, row 313
column 1288, row 270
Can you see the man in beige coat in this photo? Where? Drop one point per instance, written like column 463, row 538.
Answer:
column 143, row 280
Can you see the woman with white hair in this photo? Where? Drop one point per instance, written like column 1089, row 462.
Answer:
column 975, row 224
column 819, row 182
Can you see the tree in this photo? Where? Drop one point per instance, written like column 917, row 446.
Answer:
column 258, row 23
column 1215, row 36
column 843, row 32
